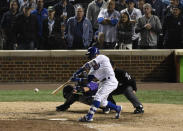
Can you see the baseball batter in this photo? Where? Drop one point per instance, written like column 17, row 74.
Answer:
column 100, row 68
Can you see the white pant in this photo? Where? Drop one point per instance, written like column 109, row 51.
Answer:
column 105, row 88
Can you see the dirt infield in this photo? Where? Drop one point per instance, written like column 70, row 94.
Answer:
column 35, row 116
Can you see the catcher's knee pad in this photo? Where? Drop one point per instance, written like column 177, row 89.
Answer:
column 67, row 91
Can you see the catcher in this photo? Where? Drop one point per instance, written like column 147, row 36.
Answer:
column 84, row 91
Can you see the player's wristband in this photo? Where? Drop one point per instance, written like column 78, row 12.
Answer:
column 79, row 71
column 100, row 19
column 114, row 21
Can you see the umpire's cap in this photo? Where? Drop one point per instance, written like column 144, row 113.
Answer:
column 92, row 51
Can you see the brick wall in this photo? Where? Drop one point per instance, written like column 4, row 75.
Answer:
column 58, row 66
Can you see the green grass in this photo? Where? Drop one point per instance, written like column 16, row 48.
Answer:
column 29, row 95
column 168, row 97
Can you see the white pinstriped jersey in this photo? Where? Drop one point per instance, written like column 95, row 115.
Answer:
column 101, row 67
column 108, row 30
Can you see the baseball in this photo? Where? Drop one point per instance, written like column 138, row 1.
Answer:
column 36, row 90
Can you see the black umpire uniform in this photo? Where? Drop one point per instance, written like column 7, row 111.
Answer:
column 126, row 86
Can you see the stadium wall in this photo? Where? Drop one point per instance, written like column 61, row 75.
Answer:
column 58, row 66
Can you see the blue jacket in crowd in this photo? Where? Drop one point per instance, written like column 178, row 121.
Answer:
column 43, row 15
column 87, row 31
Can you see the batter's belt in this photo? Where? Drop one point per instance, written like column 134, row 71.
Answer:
column 105, row 79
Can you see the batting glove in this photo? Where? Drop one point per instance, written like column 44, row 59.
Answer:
column 73, row 79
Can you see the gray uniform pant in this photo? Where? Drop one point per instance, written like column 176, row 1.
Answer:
column 128, row 92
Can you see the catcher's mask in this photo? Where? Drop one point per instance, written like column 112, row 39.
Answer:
column 67, row 91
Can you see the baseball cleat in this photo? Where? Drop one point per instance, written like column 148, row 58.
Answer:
column 139, row 110
column 85, row 119
column 61, row 108
column 119, row 109
column 106, row 110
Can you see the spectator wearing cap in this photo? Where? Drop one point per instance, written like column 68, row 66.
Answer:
column 93, row 11
column 108, row 19
column 120, row 5
column 7, row 24
column 26, row 30
column 140, row 5
column 173, row 29
column 158, row 8
column 148, row 26
column 79, row 31
column 41, row 13
column 169, row 8
column 22, row 3
column 134, row 15
column 72, row 1
column 64, row 10
column 52, row 36
column 30, row 3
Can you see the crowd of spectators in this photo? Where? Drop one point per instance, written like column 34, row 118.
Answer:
column 79, row 24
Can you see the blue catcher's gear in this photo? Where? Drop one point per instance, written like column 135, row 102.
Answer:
column 92, row 51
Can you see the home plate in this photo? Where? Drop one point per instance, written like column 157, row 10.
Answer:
column 58, row 119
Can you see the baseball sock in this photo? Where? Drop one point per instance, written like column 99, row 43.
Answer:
column 93, row 109
column 112, row 106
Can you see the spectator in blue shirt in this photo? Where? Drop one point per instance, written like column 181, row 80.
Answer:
column 41, row 14
column 79, row 31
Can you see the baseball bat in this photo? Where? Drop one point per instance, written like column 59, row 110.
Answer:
column 60, row 88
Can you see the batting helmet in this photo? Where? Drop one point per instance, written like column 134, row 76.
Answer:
column 92, row 51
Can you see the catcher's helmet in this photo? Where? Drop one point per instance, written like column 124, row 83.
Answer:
column 67, row 91
column 92, row 51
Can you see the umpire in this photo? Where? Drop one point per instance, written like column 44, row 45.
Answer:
column 126, row 86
